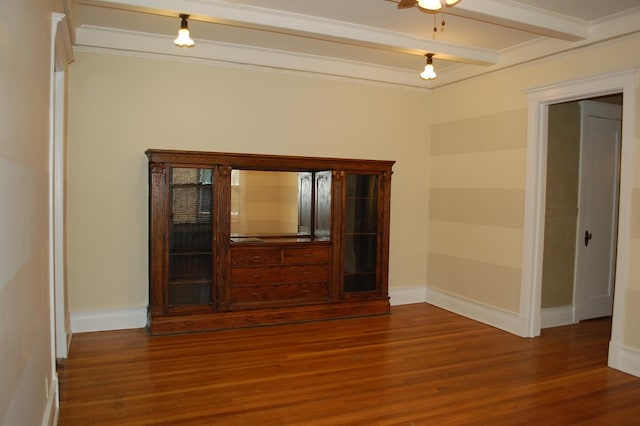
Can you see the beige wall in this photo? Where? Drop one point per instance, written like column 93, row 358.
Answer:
column 478, row 165
column 25, row 334
column 120, row 106
column 561, row 210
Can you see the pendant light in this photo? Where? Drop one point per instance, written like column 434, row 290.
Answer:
column 428, row 73
column 183, row 39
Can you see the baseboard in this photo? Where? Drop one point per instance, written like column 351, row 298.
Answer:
column 557, row 316
column 119, row 319
column 50, row 416
column 407, row 296
column 624, row 359
column 507, row 321
column 116, row 319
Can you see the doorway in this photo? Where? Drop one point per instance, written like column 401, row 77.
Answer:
column 582, row 183
column 539, row 99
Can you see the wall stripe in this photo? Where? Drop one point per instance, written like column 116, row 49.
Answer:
column 632, row 300
column 634, row 266
column 493, row 207
column 635, row 213
column 487, row 244
column 496, row 169
column 482, row 282
column 496, row 132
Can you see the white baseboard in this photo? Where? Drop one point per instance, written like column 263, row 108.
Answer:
column 557, row 316
column 507, row 321
column 50, row 416
column 116, row 319
column 624, row 359
column 119, row 319
column 407, row 296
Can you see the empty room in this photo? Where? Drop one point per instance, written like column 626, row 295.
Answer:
column 336, row 212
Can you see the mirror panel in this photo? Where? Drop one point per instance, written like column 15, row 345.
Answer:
column 279, row 205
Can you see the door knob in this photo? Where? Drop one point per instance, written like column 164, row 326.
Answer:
column 587, row 237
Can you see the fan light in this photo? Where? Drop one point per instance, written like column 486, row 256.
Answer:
column 183, row 39
column 428, row 73
column 436, row 4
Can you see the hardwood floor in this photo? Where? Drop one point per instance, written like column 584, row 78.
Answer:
column 419, row 366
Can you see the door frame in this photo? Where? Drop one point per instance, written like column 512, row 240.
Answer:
column 539, row 99
column 61, row 56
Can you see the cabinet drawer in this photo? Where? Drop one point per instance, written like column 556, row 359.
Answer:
column 279, row 292
column 302, row 256
column 279, row 274
column 252, row 256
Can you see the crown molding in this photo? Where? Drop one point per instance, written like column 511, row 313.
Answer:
column 63, row 44
column 524, row 17
column 619, row 26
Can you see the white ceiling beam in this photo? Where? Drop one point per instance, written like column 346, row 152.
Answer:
column 97, row 39
column 216, row 11
column 523, row 17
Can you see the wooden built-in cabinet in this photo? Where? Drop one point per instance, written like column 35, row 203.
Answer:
column 238, row 240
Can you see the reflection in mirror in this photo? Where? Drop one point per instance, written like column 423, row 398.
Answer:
column 277, row 204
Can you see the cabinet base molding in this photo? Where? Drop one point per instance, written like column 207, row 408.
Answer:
column 173, row 324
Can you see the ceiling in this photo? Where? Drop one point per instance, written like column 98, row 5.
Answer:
column 364, row 39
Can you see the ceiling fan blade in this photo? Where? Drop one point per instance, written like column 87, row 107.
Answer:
column 405, row 4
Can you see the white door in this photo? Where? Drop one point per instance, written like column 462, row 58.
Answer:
column 598, row 209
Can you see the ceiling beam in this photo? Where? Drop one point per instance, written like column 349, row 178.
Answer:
column 222, row 12
column 523, row 17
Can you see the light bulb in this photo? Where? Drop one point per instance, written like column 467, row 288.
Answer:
column 183, row 39
column 430, row 4
column 428, row 73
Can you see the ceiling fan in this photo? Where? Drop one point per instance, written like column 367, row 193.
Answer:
column 430, row 5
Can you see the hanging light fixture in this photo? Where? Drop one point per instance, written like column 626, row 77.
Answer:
column 434, row 7
column 183, row 39
column 428, row 73
column 436, row 4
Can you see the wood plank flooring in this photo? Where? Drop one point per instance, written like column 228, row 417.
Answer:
column 419, row 366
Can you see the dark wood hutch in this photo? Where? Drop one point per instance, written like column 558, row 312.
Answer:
column 239, row 240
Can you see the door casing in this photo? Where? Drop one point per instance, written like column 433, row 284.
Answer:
column 539, row 99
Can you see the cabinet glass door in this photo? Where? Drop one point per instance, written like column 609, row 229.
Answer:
column 190, row 237
column 360, row 233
